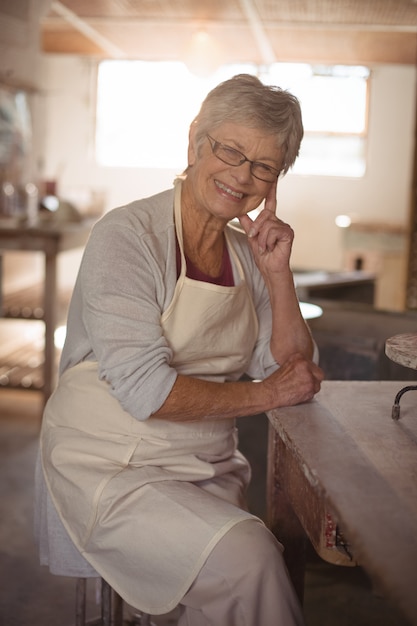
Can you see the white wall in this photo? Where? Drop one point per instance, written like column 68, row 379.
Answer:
column 309, row 203
column 69, row 155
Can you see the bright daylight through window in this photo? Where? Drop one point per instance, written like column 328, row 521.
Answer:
column 144, row 110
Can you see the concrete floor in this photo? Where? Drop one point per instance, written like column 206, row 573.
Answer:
column 30, row 596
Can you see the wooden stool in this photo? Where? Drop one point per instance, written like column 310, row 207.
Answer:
column 402, row 349
column 111, row 608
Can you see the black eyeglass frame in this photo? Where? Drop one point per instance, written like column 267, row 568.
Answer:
column 214, row 144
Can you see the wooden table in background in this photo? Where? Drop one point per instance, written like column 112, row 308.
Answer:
column 49, row 238
column 343, row 473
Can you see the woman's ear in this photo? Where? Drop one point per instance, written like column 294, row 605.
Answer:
column 192, row 149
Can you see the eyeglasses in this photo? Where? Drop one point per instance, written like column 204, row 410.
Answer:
column 234, row 157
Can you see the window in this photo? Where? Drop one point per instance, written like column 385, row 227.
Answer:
column 334, row 101
column 144, row 110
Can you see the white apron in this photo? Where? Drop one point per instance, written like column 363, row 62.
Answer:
column 146, row 502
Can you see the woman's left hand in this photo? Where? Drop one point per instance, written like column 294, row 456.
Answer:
column 270, row 238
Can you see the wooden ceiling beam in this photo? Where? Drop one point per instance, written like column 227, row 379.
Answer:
column 238, row 44
column 86, row 30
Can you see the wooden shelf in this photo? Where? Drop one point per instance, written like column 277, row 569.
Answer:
column 46, row 302
column 22, row 357
column 27, row 303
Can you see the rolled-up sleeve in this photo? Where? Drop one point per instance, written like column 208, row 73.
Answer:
column 121, row 294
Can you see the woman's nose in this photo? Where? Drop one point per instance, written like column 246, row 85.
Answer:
column 243, row 172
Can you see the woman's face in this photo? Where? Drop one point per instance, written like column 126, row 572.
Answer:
column 227, row 191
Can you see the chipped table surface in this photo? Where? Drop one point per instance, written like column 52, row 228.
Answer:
column 352, row 464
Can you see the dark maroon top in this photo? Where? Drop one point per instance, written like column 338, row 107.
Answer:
column 225, row 277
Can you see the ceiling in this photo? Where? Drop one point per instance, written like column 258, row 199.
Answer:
column 262, row 31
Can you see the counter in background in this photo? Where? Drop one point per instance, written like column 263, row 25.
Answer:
column 355, row 286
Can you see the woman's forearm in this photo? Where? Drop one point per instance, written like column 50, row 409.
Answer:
column 290, row 333
column 193, row 399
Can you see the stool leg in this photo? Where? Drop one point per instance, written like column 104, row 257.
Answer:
column 81, row 605
column 105, row 603
column 80, row 601
column 117, row 611
column 111, row 606
column 141, row 619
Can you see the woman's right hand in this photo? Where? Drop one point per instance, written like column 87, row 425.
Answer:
column 296, row 381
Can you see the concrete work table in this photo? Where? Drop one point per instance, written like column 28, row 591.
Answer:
column 343, row 473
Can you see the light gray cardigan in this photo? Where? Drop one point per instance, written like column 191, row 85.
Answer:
column 126, row 281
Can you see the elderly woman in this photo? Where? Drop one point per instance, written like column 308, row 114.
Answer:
column 172, row 305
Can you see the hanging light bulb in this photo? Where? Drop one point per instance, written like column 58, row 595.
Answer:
column 203, row 55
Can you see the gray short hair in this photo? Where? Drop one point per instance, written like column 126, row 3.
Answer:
column 244, row 99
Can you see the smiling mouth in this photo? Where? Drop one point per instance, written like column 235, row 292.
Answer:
column 229, row 191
